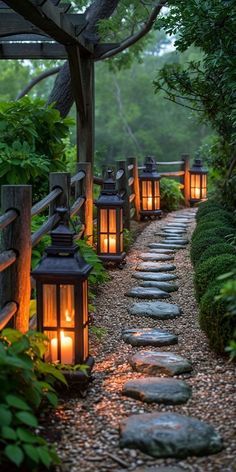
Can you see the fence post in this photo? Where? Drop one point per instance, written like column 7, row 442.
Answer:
column 86, row 212
column 186, row 159
column 62, row 180
column 15, row 280
column 133, row 161
column 123, row 189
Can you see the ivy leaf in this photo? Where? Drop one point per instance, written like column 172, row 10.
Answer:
column 44, row 456
column 31, row 452
column 17, row 402
column 8, row 433
column 27, row 418
column 14, row 454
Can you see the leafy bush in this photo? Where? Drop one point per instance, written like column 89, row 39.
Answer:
column 217, row 250
column 214, row 319
column 216, row 215
column 27, row 385
column 171, row 196
column 32, row 143
column 206, row 239
column 210, row 269
column 202, row 227
column 98, row 274
column 207, row 207
column 228, row 295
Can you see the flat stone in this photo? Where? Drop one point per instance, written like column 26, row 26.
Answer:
column 158, row 390
column 175, row 225
column 172, row 234
column 177, row 241
column 150, row 293
column 154, row 276
column 152, row 256
column 167, row 287
column 161, row 251
column 157, row 362
column 184, row 217
column 156, row 469
column 169, row 435
column 152, row 267
column 148, row 337
column 156, row 310
column 173, row 230
column 163, row 245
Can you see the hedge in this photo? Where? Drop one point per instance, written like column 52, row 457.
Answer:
column 210, row 269
column 217, row 250
column 205, row 226
column 206, row 239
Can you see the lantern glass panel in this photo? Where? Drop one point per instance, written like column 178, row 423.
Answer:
column 204, row 186
column 85, row 341
column 61, row 347
column 147, row 195
column 50, row 305
column 157, row 195
column 112, row 221
column 67, row 306
column 85, row 302
column 103, row 221
column 195, row 186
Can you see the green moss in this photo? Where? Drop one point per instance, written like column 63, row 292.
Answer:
column 207, row 272
column 217, row 250
column 214, row 320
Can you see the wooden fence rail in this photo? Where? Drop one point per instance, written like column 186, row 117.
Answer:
column 76, row 193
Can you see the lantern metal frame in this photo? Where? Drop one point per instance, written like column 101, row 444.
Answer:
column 109, row 200
column 197, row 170
column 149, row 174
column 63, row 266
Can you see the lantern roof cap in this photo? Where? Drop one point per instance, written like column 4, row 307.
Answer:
column 198, row 166
column 150, row 169
column 109, row 196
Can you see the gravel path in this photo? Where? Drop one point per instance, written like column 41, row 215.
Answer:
column 86, row 430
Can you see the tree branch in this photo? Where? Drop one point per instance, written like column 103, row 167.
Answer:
column 136, row 37
column 36, row 80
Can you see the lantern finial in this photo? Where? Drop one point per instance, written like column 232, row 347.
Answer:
column 62, row 237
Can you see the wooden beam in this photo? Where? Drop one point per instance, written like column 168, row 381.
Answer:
column 32, row 51
column 77, row 79
column 49, row 19
column 85, row 127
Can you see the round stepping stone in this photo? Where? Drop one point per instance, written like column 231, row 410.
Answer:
column 169, row 435
column 158, row 390
column 176, row 241
column 152, row 267
column 167, row 287
column 156, row 362
column 149, row 293
column 151, row 256
column 148, row 337
column 156, row 310
column 175, row 225
column 161, row 251
column 155, row 277
column 163, row 245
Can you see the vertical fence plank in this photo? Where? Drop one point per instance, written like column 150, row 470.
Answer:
column 186, row 159
column 62, row 180
column 123, row 188
column 134, row 162
column 15, row 280
column 86, row 213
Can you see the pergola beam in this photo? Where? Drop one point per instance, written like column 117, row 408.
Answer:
column 51, row 21
column 32, row 51
column 76, row 74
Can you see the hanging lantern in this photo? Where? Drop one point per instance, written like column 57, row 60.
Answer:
column 198, row 182
column 62, row 297
column 149, row 181
column 110, row 222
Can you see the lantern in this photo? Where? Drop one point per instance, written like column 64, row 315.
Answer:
column 198, row 182
column 149, row 181
column 110, row 222
column 62, row 297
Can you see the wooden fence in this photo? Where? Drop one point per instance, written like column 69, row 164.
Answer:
column 75, row 193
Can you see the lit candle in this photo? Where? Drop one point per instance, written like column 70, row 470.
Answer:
column 197, row 193
column 149, row 203
column 66, row 349
column 112, row 244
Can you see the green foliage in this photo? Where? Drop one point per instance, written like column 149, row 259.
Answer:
column 209, row 225
column 128, row 239
column 206, row 240
column 27, row 385
column 31, row 143
column 213, row 318
column 171, row 195
column 216, row 250
column 98, row 274
column 215, row 214
column 228, row 296
column 210, row 269
column 37, row 252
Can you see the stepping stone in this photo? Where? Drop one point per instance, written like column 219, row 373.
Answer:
column 152, row 267
column 172, row 233
column 176, row 241
column 173, row 230
column 169, row 435
column 163, row 245
column 175, row 225
column 158, row 390
column 162, row 251
column 156, row 310
column 155, row 277
column 152, row 256
column 157, row 362
column 150, row 293
column 186, row 217
column 157, row 469
column 148, row 337
column 167, row 287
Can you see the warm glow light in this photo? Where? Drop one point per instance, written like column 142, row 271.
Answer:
column 112, row 244
column 66, row 349
column 67, row 316
column 149, row 203
column 197, row 193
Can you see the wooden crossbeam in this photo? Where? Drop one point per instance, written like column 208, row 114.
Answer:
column 32, row 51
column 49, row 19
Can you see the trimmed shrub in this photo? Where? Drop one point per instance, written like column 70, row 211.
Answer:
column 206, row 239
column 204, row 210
column 205, row 226
column 216, row 215
column 213, row 318
column 208, row 270
column 217, row 250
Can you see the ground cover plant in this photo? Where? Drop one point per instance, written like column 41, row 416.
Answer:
column 171, row 195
